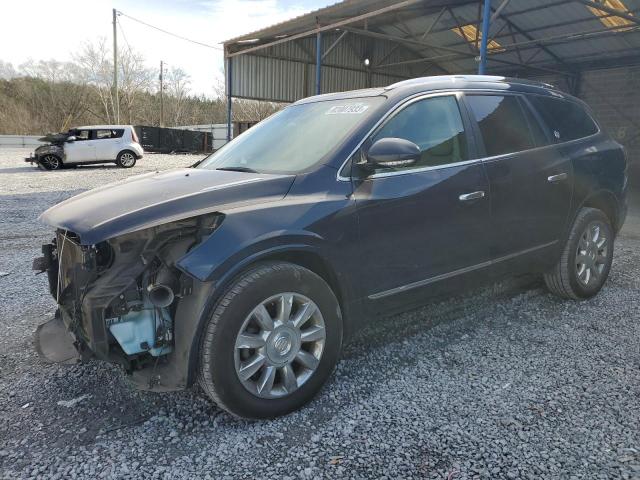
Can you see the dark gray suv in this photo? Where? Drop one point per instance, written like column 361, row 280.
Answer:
column 248, row 271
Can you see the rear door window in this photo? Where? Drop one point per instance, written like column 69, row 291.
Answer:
column 433, row 124
column 502, row 122
column 567, row 120
column 540, row 138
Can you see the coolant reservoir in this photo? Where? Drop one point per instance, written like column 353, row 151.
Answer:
column 136, row 331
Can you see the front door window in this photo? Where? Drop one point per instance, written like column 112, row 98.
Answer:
column 435, row 125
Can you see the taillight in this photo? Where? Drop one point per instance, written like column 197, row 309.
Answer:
column 134, row 135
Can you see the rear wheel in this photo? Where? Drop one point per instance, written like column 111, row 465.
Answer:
column 586, row 259
column 51, row 162
column 126, row 159
column 272, row 341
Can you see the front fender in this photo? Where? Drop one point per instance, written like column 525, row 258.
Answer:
column 224, row 253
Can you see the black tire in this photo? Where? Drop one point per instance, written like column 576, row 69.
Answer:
column 564, row 280
column 126, row 159
column 51, row 162
column 217, row 367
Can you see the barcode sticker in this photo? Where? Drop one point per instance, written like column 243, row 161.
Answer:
column 354, row 108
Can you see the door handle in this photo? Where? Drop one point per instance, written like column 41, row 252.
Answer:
column 557, row 178
column 465, row 197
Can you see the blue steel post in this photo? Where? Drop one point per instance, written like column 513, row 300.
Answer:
column 486, row 19
column 318, row 63
column 229, row 96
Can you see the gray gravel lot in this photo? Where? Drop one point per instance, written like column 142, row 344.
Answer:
column 504, row 382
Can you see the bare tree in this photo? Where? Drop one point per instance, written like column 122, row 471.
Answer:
column 94, row 62
column 133, row 78
column 59, row 94
column 7, row 71
column 244, row 110
column 46, row 96
column 178, row 84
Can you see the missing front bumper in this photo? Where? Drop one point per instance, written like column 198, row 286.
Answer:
column 55, row 344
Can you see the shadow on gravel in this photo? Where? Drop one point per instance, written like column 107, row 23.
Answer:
column 19, row 170
column 386, row 329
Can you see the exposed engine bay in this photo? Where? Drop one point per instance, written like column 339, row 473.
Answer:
column 118, row 298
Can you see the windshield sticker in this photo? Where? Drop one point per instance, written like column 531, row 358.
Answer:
column 354, row 108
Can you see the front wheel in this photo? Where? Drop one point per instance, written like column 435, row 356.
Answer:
column 126, row 159
column 272, row 341
column 586, row 259
column 51, row 162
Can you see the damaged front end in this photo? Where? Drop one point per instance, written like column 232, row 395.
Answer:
column 117, row 299
column 41, row 152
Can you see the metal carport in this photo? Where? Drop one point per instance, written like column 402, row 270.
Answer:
column 365, row 43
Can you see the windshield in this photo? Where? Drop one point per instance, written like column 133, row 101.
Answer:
column 294, row 139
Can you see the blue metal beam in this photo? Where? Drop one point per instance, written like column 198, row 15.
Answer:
column 229, row 97
column 318, row 63
column 486, row 23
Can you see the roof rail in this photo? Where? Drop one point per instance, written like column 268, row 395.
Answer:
column 468, row 78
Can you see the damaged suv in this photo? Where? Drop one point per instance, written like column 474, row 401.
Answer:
column 247, row 271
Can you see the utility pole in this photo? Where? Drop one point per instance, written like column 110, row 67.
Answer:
column 161, row 94
column 116, row 107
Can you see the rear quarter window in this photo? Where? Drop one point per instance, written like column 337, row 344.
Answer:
column 567, row 120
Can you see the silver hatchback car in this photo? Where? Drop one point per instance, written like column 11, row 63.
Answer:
column 89, row 145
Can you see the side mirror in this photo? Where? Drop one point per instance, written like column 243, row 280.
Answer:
column 71, row 139
column 393, row 153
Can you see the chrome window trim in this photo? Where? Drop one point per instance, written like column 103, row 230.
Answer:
column 454, row 273
column 407, row 101
column 535, row 149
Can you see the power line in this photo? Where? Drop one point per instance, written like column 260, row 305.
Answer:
column 170, row 33
column 125, row 37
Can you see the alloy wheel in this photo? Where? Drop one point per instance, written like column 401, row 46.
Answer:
column 127, row 159
column 50, row 162
column 591, row 254
column 279, row 345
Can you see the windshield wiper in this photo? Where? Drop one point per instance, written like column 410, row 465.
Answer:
column 238, row 169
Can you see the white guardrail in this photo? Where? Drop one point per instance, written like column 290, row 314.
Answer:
column 15, row 141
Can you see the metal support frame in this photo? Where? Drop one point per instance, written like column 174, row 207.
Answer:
column 610, row 10
column 499, row 10
column 424, row 35
column 575, row 82
column 414, row 42
column 318, row 63
column 334, row 45
column 229, row 98
column 484, row 41
column 332, row 26
column 536, row 42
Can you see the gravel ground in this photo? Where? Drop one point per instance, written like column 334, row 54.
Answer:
column 506, row 382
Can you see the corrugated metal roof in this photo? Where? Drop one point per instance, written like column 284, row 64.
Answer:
column 539, row 37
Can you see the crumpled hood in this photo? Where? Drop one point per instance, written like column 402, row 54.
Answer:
column 152, row 199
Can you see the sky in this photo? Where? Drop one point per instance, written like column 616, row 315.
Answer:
column 48, row 29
